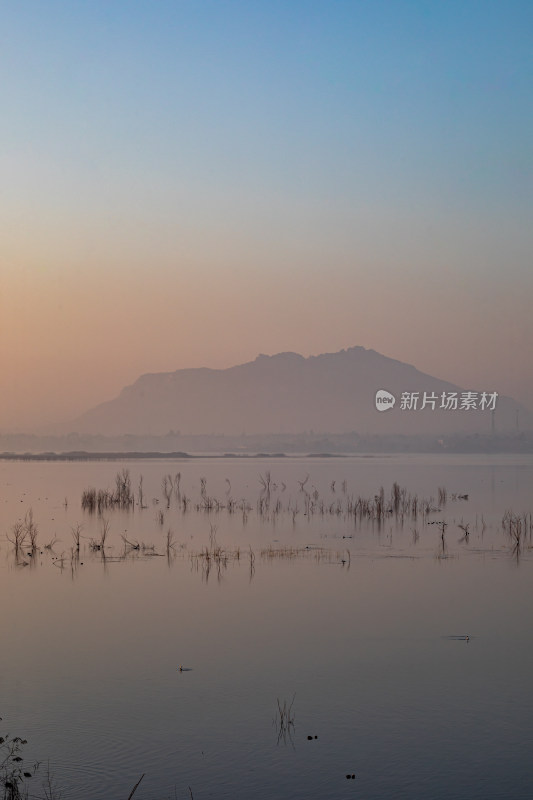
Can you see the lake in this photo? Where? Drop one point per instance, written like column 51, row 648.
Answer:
column 324, row 628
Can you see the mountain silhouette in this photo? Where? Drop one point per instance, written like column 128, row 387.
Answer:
column 287, row 393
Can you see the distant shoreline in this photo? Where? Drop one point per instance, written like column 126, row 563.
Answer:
column 118, row 455
column 134, row 456
column 176, row 446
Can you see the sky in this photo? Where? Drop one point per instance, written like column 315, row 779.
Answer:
column 192, row 183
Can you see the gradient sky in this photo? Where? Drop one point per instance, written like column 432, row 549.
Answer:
column 193, row 183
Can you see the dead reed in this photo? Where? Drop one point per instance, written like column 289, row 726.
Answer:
column 284, row 720
column 30, row 529
column 17, row 536
column 519, row 528
column 75, row 531
column 123, row 497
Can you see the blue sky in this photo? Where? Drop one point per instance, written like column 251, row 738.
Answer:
column 180, row 152
column 367, row 99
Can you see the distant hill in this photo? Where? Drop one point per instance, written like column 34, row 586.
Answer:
column 287, row 393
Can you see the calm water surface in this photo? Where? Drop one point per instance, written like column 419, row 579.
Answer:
column 359, row 625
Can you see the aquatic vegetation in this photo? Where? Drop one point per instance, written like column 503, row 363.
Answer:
column 24, row 533
column 319, row 554
column 519, row 529
column 93, row 500
column 15, row 776
column 17, row 536
column 129, row 545
column 213, row 556
column 466, row 530
column 170, row 542
column 167, row 487
column 123, row 496
column 270, row 504
column 76, row 534
column 284, row 720
column 265, row 481
column 30, row 529
column 104, row 532
column 135, row 787
column 53, row 541
column 140, row 493
column 378, row 510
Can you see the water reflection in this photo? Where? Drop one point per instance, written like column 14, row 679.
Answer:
column 305, row 577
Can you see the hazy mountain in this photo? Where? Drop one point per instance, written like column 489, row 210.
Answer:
column 287, row 393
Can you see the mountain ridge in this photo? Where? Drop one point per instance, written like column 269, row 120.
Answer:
column 289, row 393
